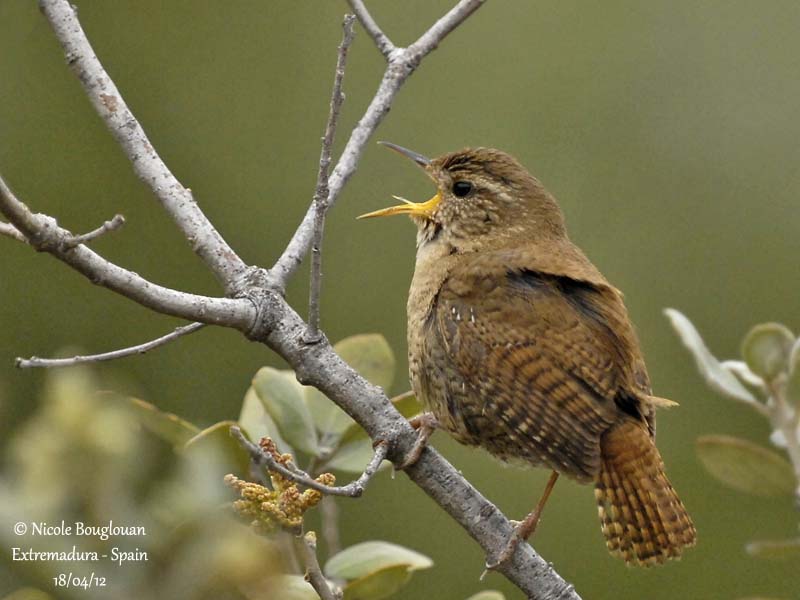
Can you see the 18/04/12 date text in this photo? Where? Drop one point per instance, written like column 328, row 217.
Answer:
column 68, row 580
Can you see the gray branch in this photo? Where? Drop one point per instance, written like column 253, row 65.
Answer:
column 402, row 63
column 45, row 235
column 35, row 361
column 321, row 194
column 262, row 313
column 383, row 43
column 147, row 164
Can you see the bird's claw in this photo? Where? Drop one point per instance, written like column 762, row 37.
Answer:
column 508, row 551
column 425, row 424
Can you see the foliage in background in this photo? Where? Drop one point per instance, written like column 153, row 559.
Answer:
column 768, row 381
column 82, row 457
column 98, row 457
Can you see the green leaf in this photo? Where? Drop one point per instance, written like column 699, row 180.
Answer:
column 380, row 584
column 257, row 423
column 488, row 595
column 328, row 418
column 766, row 349
column 352, row 457
column 406, row 404
column 282, row 397
column 779, row 549
column 355, row 447
column 217, row 441
column 368, row 557
column 717, row 378
column 745, row 466
column 290, row 587
column 169, row 427
column 370, row 355
column 375, row 570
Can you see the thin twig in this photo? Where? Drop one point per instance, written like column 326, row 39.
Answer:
column 44, row 234
column 381, row 40
column 321, row 193
column 330, row 524
column 115, row 223
column 403, row 63
column 354, row 489
column 9, row 230
column 35, row 361
column 106, row 99
column 306, row 544
column 438, row 31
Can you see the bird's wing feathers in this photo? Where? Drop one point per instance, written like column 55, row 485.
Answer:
column 549, row 356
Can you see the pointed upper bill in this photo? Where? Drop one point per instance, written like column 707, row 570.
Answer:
column 422, row 161
column 414, row 209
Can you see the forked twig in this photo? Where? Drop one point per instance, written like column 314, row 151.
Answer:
column 354, row 489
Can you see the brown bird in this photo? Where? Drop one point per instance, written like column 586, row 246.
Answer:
column 519, row 345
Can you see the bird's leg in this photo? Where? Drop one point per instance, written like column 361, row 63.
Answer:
column 525, row 529
column 425, row 424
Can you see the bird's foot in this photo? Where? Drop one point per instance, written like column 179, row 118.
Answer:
column 522, row 529
column 516, row 537
column 425, row 424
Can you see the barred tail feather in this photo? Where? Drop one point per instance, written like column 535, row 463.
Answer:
column 642, row 518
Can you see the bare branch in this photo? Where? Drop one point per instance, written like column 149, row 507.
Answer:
column 321, row 193
column 354, row 489
column 383, row 43
column 44, row 234
column 307, row 548
column 115, row 223
column 147, row 164
column 403, row 63
column 8, row 230
column 430, row 40
column 35, row 361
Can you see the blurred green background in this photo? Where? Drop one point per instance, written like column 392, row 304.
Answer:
column 667, row 130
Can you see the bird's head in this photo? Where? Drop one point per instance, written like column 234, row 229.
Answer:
column 484, row 199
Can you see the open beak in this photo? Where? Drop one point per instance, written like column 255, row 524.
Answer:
column 414, row 209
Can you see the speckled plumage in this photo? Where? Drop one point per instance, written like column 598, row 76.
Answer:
column 519, row 345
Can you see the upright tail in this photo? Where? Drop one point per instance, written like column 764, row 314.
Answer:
column 642, row 518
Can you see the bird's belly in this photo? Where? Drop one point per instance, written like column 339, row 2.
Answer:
column 461, row 410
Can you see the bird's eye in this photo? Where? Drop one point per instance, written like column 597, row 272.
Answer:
column 462, row 188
